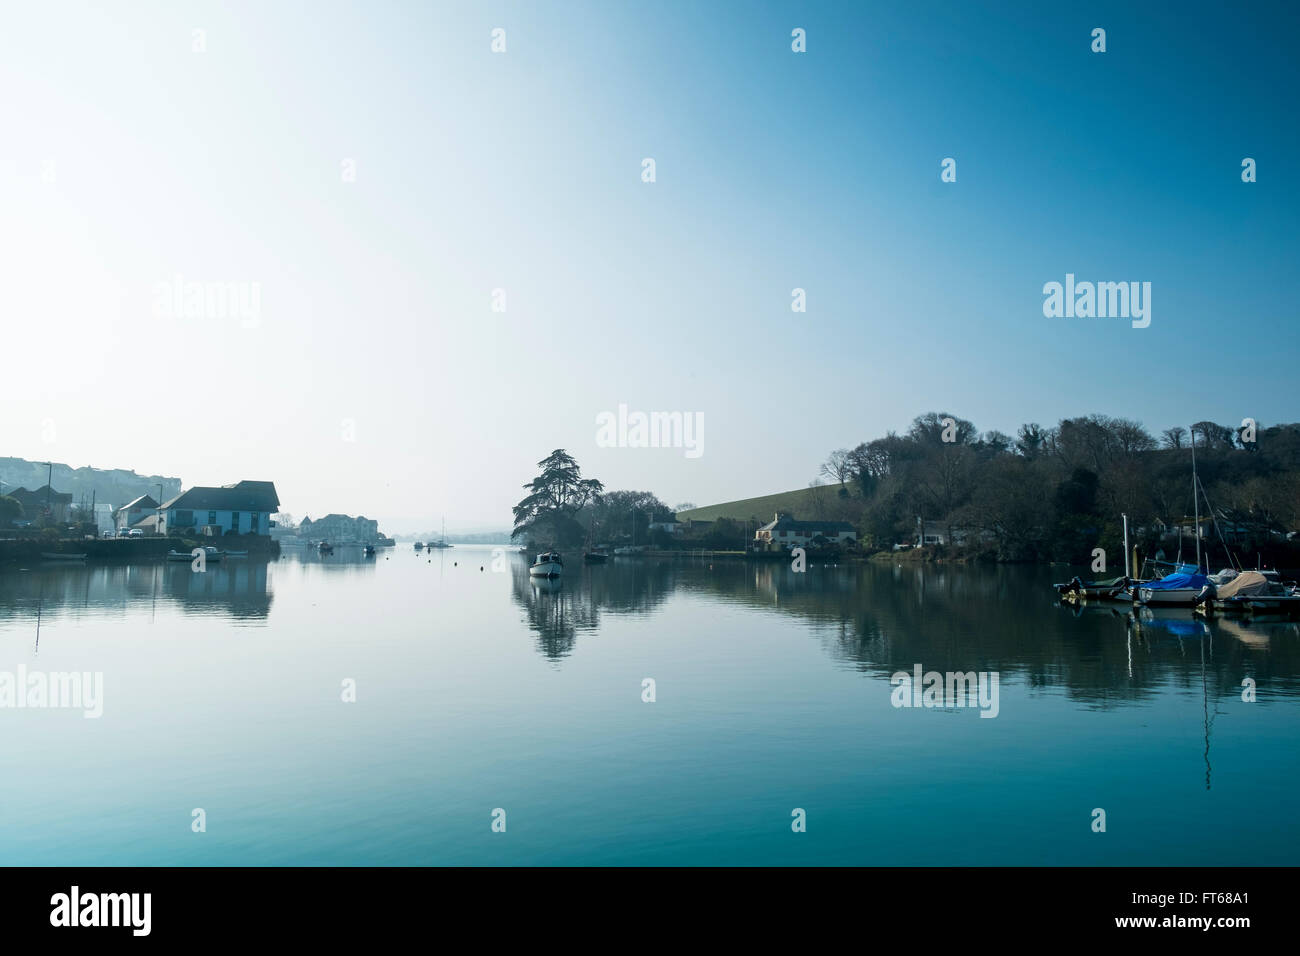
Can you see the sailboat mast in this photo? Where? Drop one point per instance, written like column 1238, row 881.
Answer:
column 1196, row 502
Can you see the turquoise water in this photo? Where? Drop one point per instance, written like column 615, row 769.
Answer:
column 478, row 690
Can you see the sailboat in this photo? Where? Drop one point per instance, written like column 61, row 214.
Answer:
column 441, row 542
column 1182, row 588
column 593, row 554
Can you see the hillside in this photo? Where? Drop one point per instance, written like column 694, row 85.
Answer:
column 820, row 503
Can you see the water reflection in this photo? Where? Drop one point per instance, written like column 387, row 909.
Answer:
column 557, row 610
column 883, row 619
column 237, row 589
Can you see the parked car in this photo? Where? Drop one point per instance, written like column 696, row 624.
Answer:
column 108, row 534
column 135, row 533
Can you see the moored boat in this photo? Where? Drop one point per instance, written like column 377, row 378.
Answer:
column 1116, row 589
column 1180, row 589
column 548, row 564
column 368, row 551
column 61, row 556
column 325, row 548
column 419, row 546
column 1249, row 592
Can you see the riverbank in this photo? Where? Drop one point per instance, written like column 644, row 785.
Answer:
column 128, row 550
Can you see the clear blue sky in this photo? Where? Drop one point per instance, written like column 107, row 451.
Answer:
column 521, row 171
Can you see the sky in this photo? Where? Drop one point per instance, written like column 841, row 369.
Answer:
column 367, row 175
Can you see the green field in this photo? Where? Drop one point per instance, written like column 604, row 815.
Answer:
column 802, row 503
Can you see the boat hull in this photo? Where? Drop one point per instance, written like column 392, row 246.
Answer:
column 1169, row 597
column 547, row 569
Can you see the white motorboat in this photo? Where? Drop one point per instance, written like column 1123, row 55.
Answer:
column 548, row 564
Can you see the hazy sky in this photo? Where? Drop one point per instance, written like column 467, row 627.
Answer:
column 375, row 376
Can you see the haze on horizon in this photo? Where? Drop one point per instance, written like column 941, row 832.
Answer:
column 376, row 377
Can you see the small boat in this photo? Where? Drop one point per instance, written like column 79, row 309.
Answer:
column 595, row 557
column 1249, row 592
column 61, row 556
column 368, row 551
column 419, row 546
column 325, row 548
column 174, row 555
column 1180, row 589
column 236, row 554
column 1077, row 590
column 548, row 564
column 213, row 554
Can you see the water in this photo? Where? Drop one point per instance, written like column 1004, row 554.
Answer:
column 478, row 690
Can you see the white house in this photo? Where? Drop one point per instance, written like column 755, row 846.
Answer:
column 135, row 511
column 242, row 508
column 784, row 532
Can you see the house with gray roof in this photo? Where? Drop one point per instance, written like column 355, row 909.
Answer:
column 242, row 508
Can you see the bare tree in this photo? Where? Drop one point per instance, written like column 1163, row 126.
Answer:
column 839, row 466
column 1174, row 437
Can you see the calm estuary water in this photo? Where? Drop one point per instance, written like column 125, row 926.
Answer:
column 478, row 690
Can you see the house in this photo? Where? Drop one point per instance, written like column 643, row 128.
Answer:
column 35, row 503
column 134, row 511
column 784, row 532
column 242, row 508
column 341, row 529
column 668, row 526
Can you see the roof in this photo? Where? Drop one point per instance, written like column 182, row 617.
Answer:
column 785, row 522
column 39, row 495
column 242, row 496
column 144, row 501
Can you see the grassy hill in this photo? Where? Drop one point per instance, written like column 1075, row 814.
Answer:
column 807, row 503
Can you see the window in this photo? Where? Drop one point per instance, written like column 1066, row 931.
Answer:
column 212, row 517
column 234, row 521
column 252, row 521
column 784, row 533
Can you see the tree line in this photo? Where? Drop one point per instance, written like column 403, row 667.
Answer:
column 1055, row 493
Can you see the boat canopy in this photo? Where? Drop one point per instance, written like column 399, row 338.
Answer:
column 1247, row 582
column 1177, row 582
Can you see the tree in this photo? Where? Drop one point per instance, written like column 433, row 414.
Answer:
column 555, row 496
column 1030, row 439
column 839, row 466
column 1174, row 437
column 11, row 510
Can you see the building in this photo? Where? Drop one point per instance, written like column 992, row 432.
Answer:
column 133, row 512
column 35, row 503
column 341, row 529
column 242, row 508
column 784, row 532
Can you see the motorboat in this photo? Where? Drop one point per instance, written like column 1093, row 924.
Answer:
column 419, row 546
column 325, row 548
column 1075, row 590
column 548, row 564
column 595, row 557
column 368, row 551
column 1250, row 592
